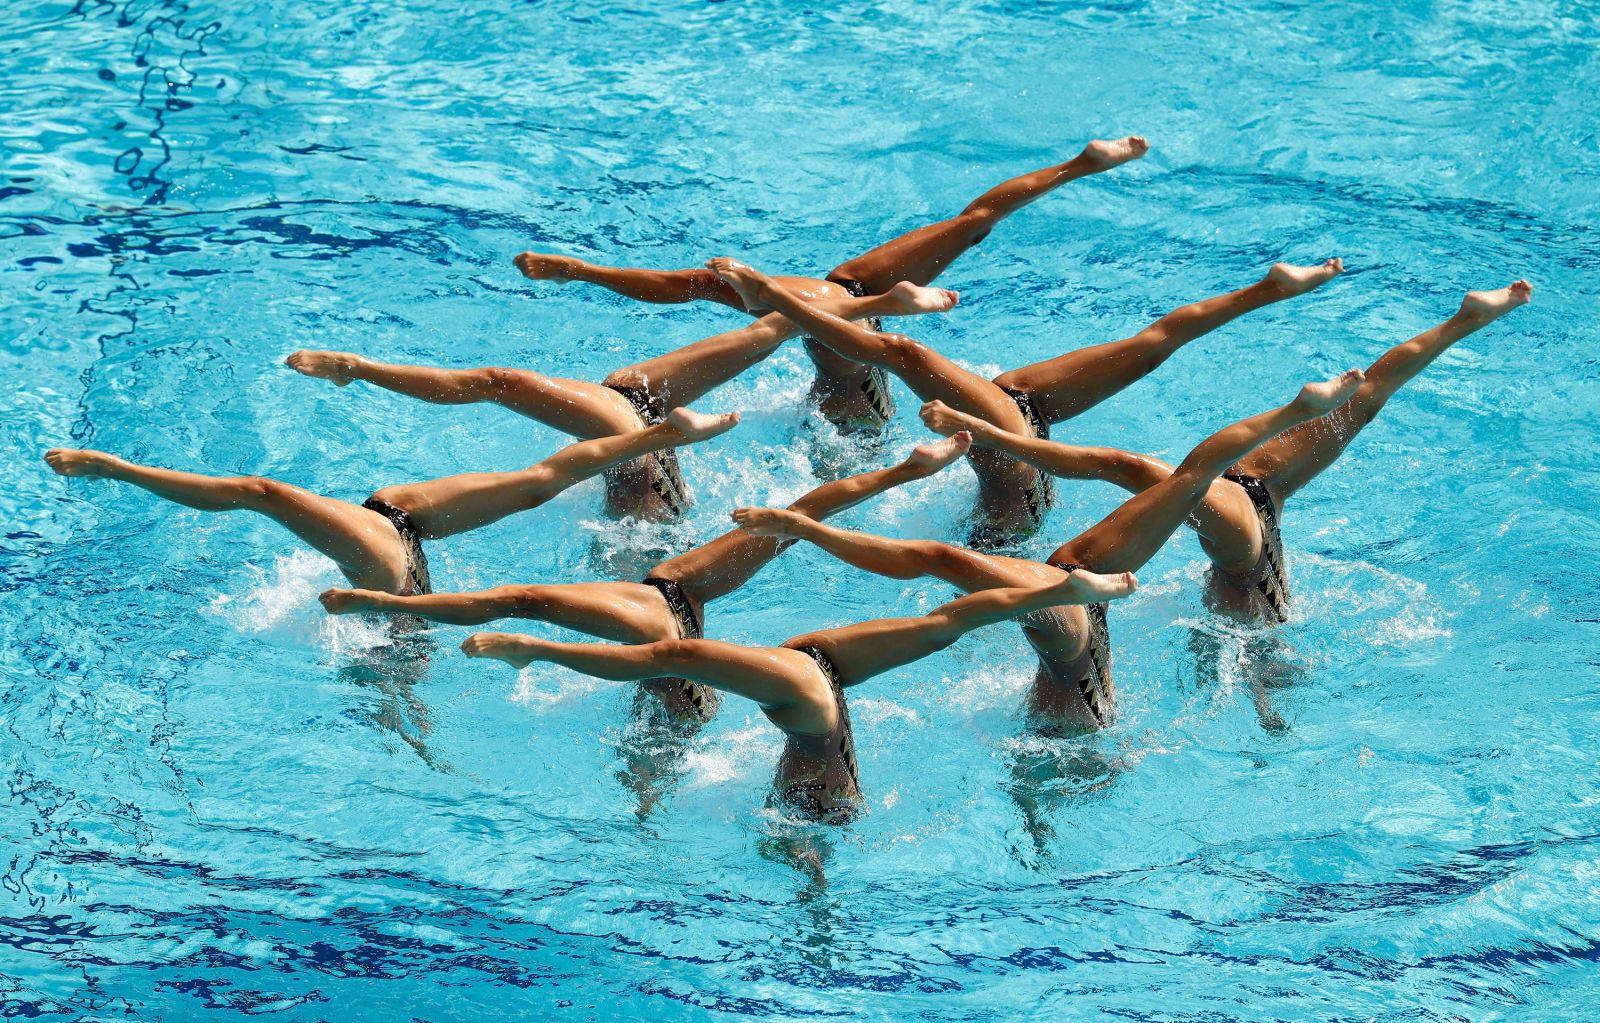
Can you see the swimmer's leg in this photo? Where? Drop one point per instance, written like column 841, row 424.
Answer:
column 1071, row 384
column 574, row 407
column 925, row 371
column 668, row 287
column 774, row 677
column 456, row 504
column 1131, row 535
column 1296, row 458
column 621, row 612
column 923, row 254
column 683, row 376
column 718, row 568
column 861, row 651
column 965, row 569
column 361, row 542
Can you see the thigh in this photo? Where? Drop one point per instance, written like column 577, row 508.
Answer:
column 622, row 612
column 917, row 256
column 721, row 566
column 574, row 407
column 933, row 376
column 1132, row 534
column 860, row 652
column 364, row 544
column 970, row 571
column 1071, row 384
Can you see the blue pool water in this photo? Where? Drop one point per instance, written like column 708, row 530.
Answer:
column 216, row 804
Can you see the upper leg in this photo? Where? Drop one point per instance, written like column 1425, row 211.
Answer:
column 1131, row 535
column 969, row 570
column 719, row 567
column 365, row 545
column 622, row 612
column 917, row 256
column 1297, row 456
column 862, row 651
column 1071, row 384
column 575, row 407
column 932, row 376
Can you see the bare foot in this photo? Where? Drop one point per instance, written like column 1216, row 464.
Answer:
column 941, row 418
column 1085, row 587
column 747, row 281
column 697, row 426
column 1294, row 280
column 770, row 521
column 539, row 266
column 1491, row 305
column 1104, row 155
column 930, row 458
column 910, row 299
column 335, row 366
column 1329, row 394
column 342, row 601
column 517, row 651
column 76, row 462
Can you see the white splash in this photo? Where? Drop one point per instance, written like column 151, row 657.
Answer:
column 732, row 755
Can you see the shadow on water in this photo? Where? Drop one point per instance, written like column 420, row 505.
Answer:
column 393, row 672
column 1046, row 773
column 1256, row 658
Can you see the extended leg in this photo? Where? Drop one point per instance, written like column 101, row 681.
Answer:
column 965, row 569
column 1071, row 384
column 456, row 504
column 782, row 679
column 572, row 406
column 1291, row 461
column 771, row 676
column 670, row 287
column 922, row 255
column 683, row 376
column 1130, row 536
column 718, row 568
column 622, row 612
column 361, row 542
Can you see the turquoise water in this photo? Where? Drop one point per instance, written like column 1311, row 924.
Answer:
column 218, row 801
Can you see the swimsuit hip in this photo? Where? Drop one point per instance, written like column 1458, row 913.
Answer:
column 418, row 580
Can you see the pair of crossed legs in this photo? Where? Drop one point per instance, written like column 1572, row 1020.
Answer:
column 918, row 256
column 620, row 404
column 368, row 546
column 1023, row 402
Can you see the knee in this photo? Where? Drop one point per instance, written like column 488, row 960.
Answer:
column 902, row 351
column 938, row 558
column 1364, row 408
column 978, row 220
column 494, row 380
column 1192, row 482
column 524, row 599
column 260, row 489
column 1135, row 473
column 674, row 651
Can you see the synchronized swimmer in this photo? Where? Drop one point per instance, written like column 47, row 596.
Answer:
column 1230, row 489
